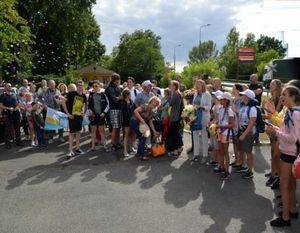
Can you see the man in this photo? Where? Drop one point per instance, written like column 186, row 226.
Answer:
column 256, row 87
column 75, row 107
column 217, row 85
column 130, row 85
column 258, row 90
column 23, row 89
column 144, row 96
column 11, row 111
column 51, row 100
column 113, row 93
column 155, row 89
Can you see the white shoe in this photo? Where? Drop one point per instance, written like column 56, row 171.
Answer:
column 126, row 154
column 33, row 144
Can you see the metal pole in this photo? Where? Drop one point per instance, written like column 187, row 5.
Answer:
column 202, row 26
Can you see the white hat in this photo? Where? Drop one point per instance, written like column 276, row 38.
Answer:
column 217, row 93
column 146, row 83
column 145, row 130
column 225, row 96
column 250, row 94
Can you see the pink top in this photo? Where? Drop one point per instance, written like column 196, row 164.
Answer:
column 289, row 132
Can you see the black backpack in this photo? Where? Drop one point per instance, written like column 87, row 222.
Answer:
column 260, row 124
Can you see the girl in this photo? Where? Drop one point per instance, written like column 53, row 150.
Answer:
column 127, row 108
column 63, row 89
column 98, row 107
column 275, row 89
column 142, row 115
column 27, row 104
column 202, row 100
column 214, row 118
column 225, row 125
column 246, row 132
column 289, row 136
column 236, row 106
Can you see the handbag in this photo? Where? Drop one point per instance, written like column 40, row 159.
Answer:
column 198, row 124
column 296, row 164
column 158, row 149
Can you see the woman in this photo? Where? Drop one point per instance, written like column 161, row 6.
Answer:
column 202, row 101
column 275, row 91
column 246, row 132
column 98, row 107
column 143, row 115
column 289, row 136
column 173, row 140
column 63, row 89
column 127, row 108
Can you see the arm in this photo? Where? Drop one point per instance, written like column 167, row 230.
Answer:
column 249, row 128
column 153, row 128
column 206, row 102
column 230, row 124
column 258, row 91
column 6, row 108
column 107, row 104
column 66, row 110
column 138, row 115
column 293, row 135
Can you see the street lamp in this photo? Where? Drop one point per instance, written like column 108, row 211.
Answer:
column 202, row 26
column 175, row 57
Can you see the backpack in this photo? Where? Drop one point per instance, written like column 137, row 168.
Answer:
column 260, row 124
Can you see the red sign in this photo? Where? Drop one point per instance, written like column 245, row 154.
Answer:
column 246, row 54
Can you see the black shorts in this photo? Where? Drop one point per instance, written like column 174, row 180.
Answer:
column 288, row 158
column 97, row 120
column 75, row 125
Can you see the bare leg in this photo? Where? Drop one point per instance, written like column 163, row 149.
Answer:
column 94, row 130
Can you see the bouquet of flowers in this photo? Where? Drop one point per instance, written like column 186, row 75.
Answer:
column 189, row 114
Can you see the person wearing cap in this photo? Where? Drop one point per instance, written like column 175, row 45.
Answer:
column 246, row 133
column 144, row 96
column 225, row 126
column 144, row 115
column 202, row 100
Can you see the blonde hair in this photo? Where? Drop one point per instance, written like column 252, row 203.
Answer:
column 62, row 85
column 72, row 87
column 203, row 84
column 155, row 98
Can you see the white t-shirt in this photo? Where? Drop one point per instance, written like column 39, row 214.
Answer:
column 133, row 93
column 244, row 118
column 216, row 112
column 224, row 115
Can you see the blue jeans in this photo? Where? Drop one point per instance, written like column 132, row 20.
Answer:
column 134, row 125
column 40, row 134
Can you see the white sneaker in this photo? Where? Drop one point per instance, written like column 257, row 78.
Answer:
column 33, row 144
column 126, row 154
column 70, row 155
column 79, row 151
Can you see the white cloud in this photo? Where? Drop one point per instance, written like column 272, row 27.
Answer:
column 178, row 21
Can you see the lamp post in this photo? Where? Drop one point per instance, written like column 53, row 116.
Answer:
column 202, row 26
column 175, row 57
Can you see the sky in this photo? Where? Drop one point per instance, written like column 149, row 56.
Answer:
column 178, row 22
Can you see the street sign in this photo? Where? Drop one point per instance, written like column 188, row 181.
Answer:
column 246, row 54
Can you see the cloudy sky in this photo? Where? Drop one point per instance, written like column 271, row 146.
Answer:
column 179, row 21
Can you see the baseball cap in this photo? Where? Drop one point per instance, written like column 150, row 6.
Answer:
column 225, row 96
column 250, row 94
column 217, row 93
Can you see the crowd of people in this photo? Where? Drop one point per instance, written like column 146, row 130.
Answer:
column 139, row 115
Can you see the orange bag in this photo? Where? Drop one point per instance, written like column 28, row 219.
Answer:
column 158, row 149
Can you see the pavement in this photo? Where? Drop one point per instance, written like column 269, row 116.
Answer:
column 102, row 192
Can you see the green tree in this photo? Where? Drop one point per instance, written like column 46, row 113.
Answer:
column 228, row 55
column 139, row 55
column 265, row 43
column 250, row 41
column 204, row 50
column 15, row 40
column 209, row 66
column 263, row 58
column 66, row 34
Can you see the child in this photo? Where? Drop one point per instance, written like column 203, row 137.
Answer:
column 214, row 120
column 27, row 104
column 38, row 122
column 127, row 107
column 236, row 105
column 225, row 126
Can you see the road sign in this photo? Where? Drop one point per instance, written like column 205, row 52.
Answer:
column 246, row 54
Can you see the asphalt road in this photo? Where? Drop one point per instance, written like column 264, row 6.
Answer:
column 102, row 192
